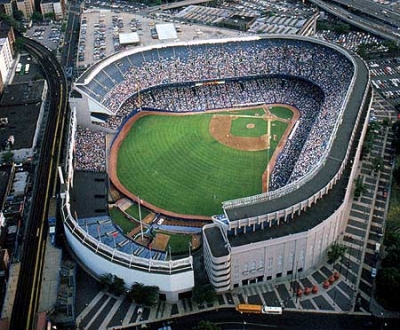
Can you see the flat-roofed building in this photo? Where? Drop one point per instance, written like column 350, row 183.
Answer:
column 56, row 7
column 22, row 110
column 7, row 39
column 6, row 7
column 26, row 7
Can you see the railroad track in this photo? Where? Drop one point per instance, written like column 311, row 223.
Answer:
column 29, row 283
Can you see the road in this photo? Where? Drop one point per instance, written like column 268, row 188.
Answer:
column 227, row 319
column 374, row 19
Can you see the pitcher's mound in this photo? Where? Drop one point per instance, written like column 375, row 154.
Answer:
column 250, row 125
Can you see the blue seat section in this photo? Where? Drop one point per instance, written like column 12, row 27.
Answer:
column 136, row 59
column 111, row 236
column 147, row 56
column 90, row 92
column 97, row 90
column 104, row 80
column 181, row 52
column 114, row 73
column 124, row 65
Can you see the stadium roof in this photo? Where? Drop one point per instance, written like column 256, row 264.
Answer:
column 129, row 38
column 166, row 31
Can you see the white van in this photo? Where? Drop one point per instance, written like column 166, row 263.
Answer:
column 377, row 247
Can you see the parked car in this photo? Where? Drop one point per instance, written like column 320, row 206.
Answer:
column 373, row 272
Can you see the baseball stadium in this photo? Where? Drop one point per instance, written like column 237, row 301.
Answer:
column 251, row 144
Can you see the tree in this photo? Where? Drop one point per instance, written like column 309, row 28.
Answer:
column 377, row 164
column 50, row 16
column 360, row 187
column 12, row 22
column 8, row 157
column 37, row 17
column 393, row 48
column 392, row 239
column 362, row 50
column 19, row 44
column 342, row 28
column 388, row 277
column 204, row 293
column 385, row 121
column 106, row 281
column 388, row 287
column 117, row 286
column 336, row 252
column 206, row 325
column 18, row 15
column 144, row 295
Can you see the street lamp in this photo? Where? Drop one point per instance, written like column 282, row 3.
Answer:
column 383, row 324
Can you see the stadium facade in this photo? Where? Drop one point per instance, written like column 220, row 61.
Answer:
column 281, row 233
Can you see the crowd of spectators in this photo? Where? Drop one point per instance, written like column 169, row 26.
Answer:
column 208, row 62
column 90, row 150
column 313, row 78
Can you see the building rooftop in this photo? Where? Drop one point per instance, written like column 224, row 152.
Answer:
column 19, row 110
column 5, row 172
column 217, row 245
column 4, row 27
column 22, row 93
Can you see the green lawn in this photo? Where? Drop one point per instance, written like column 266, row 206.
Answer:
column 179, row 243
column 119, row 219
column 174, row 163
column 133, row 211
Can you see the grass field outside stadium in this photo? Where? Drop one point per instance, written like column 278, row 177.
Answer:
column 175, row 163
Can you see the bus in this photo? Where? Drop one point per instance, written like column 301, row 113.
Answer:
column 27, row 68
column 19, row 67
column 271, row 310
column 258, row 309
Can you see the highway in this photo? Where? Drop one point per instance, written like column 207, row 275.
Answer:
column 366, row 15
column 28, row 288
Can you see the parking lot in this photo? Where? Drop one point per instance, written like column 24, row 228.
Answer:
column 100, row 28
column 385, row 76
column 48, row 35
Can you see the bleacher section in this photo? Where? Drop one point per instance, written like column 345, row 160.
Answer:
column 103, row 229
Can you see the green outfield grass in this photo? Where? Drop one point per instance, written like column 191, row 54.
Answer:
column 174, row 163
column 282, row 112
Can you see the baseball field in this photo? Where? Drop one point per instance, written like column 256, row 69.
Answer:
column 189, row 163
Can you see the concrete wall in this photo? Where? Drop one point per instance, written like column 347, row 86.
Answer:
column 170, row 284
